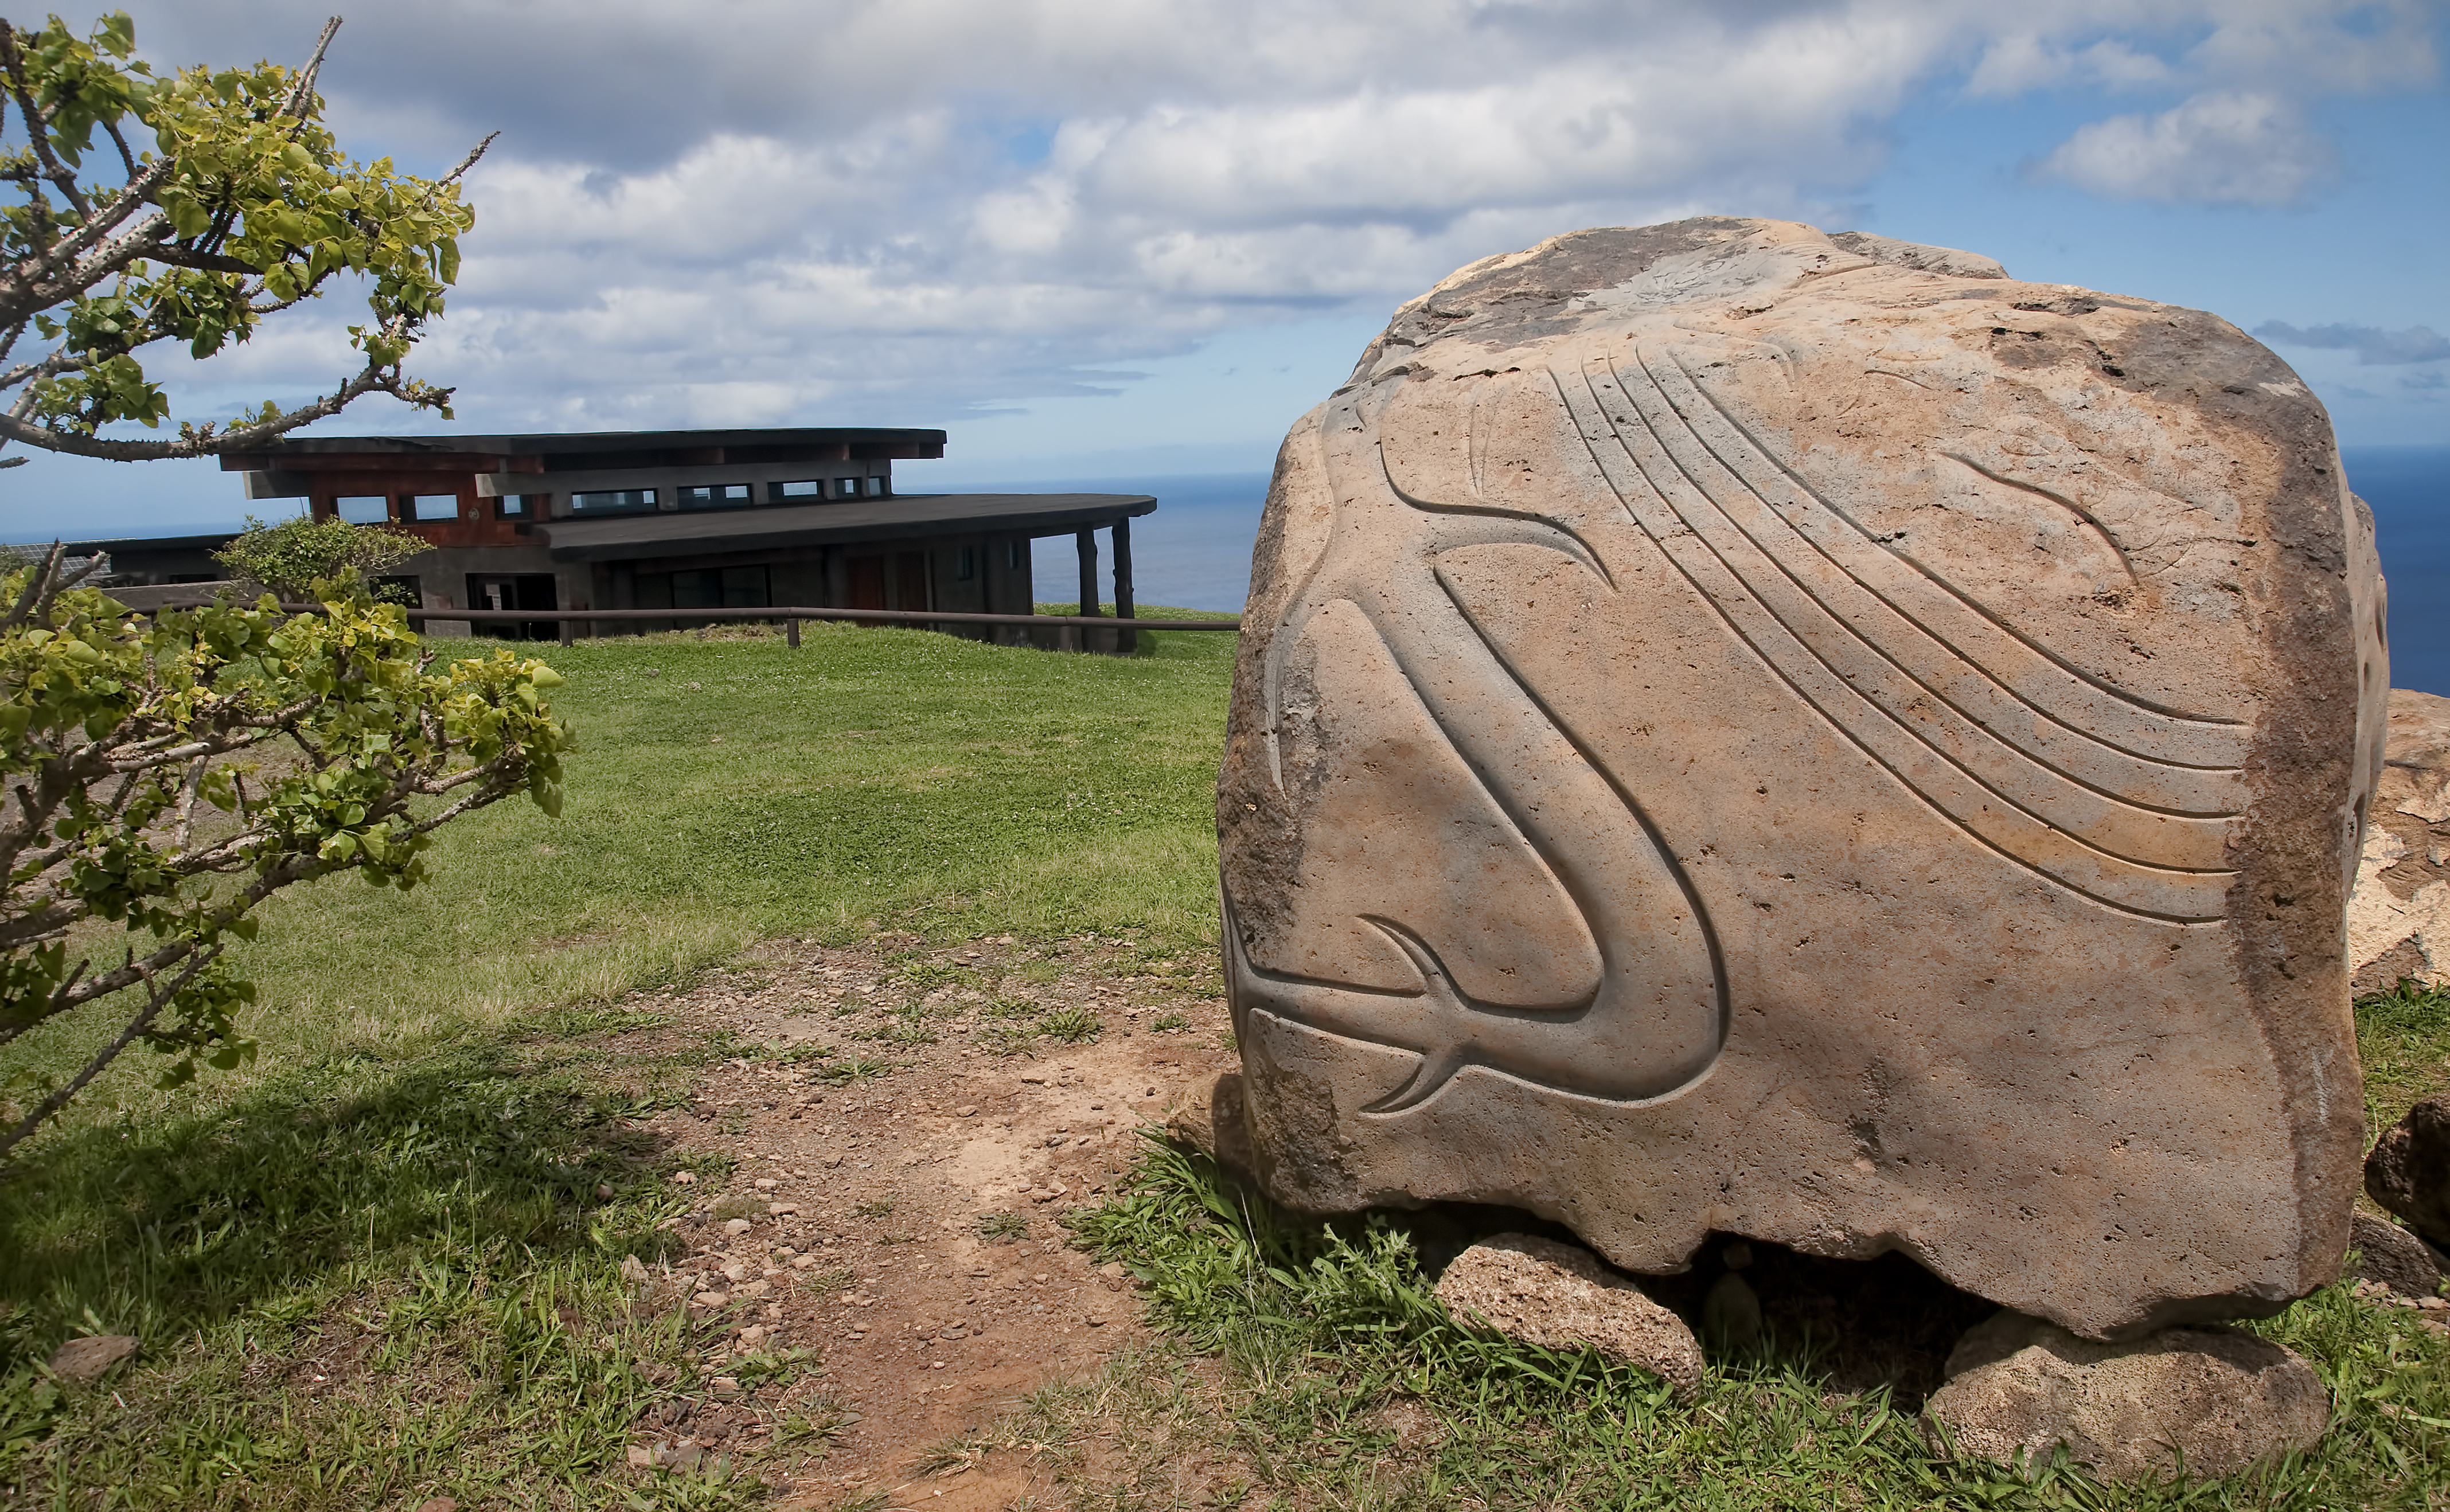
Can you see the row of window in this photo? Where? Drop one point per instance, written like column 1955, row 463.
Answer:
column 966, row 559
column 376, row 509
column 727, row 496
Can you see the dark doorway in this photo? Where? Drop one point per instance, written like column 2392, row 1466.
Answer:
column 524, row 591
column 910, row 574
column 867, row 582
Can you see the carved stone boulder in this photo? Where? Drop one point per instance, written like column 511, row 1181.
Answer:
column 1745, row 731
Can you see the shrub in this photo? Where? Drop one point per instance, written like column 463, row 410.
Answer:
column 144, row 789
column 295, row 557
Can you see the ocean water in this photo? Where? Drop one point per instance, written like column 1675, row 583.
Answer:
column 1195, row 551
column 2409, row 489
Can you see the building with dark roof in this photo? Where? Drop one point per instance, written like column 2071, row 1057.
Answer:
column 673, row 519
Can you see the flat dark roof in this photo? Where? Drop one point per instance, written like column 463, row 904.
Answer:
column 562, row 441
column 153, row 543
column 756, row 529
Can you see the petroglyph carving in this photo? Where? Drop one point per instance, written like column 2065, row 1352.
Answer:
column 1739, row 731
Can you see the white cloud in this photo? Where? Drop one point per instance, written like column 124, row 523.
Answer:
column 900, row 210
column 2374, row 347
column 2215, row 148
column 2027, row 61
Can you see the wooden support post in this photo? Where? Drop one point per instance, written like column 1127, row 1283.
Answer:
column 569, row 632
column 1128, row 641
column 792, row 634
column 1090, row 602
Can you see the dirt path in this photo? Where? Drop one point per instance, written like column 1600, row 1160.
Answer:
column 899, row 1227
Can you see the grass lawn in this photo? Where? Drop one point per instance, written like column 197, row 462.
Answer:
column 384, row 1262
column 374, row 1263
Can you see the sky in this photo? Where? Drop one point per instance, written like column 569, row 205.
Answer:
column 1105, row 238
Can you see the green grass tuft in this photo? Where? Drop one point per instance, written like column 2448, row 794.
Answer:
column 1348, row 1384
column 1069, row 1026
column 1002, row 1228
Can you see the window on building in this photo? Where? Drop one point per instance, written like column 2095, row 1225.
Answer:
column 965, row 564
column 401, row 591
column 525, row 590
column 612, row 500
column 714, row 495
column 721, row 588
column 511, row 507
column 849, row 487
column 876, row 487
column 809, row 488
column 1016, row 553
column 744, row 587
column 434, row 505
column 364, row 508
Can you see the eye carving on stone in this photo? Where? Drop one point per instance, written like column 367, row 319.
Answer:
column 1621, row 995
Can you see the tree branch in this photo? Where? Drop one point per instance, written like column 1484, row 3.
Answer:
column 13, row 57
column 157, row 998
column 304, row 89
column 375, row 377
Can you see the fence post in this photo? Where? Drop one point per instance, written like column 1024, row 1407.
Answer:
column 792, row 634
column 568, row 636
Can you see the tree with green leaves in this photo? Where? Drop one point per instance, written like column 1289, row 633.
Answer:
column 140, row 208
column 295, row 555
column 164, row 774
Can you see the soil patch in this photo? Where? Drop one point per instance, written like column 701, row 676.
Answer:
column 880, row 1151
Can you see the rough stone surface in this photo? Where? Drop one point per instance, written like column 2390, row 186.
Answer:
column 88, row 1359
column 2408, row 1171
column 1740, row 730
column 2218, row 1399
column 1560, row 1297
column 2399, row 917
column 1210, row 1119
column 2394, row 1257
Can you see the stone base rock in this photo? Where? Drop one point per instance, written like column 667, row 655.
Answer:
column 2209, row 1400
column 2399, row 917
column 2408, row 1170
column 2394, row 1257
column 1560, row 1297
column 81, row 1359
column 1210, row 1120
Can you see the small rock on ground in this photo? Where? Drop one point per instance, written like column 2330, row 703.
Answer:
column 1558, row 1296
column 2394, row 1257
column 2408, row 1170
column 2221, row 1399
column 1210, row 1119
column 87, row 1359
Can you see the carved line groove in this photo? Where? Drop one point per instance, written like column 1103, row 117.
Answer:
column 2226, row 738
column 1802, row 658
column 1571, row 1048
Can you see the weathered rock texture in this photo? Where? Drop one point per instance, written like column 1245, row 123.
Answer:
column 2398, row 918
column 2215, row 1400
column 2408, row 1170
column 1560, row 1297
column 81, row 1359
column 1210, row 1120
column 2394, row 1257
column 1739, row 730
